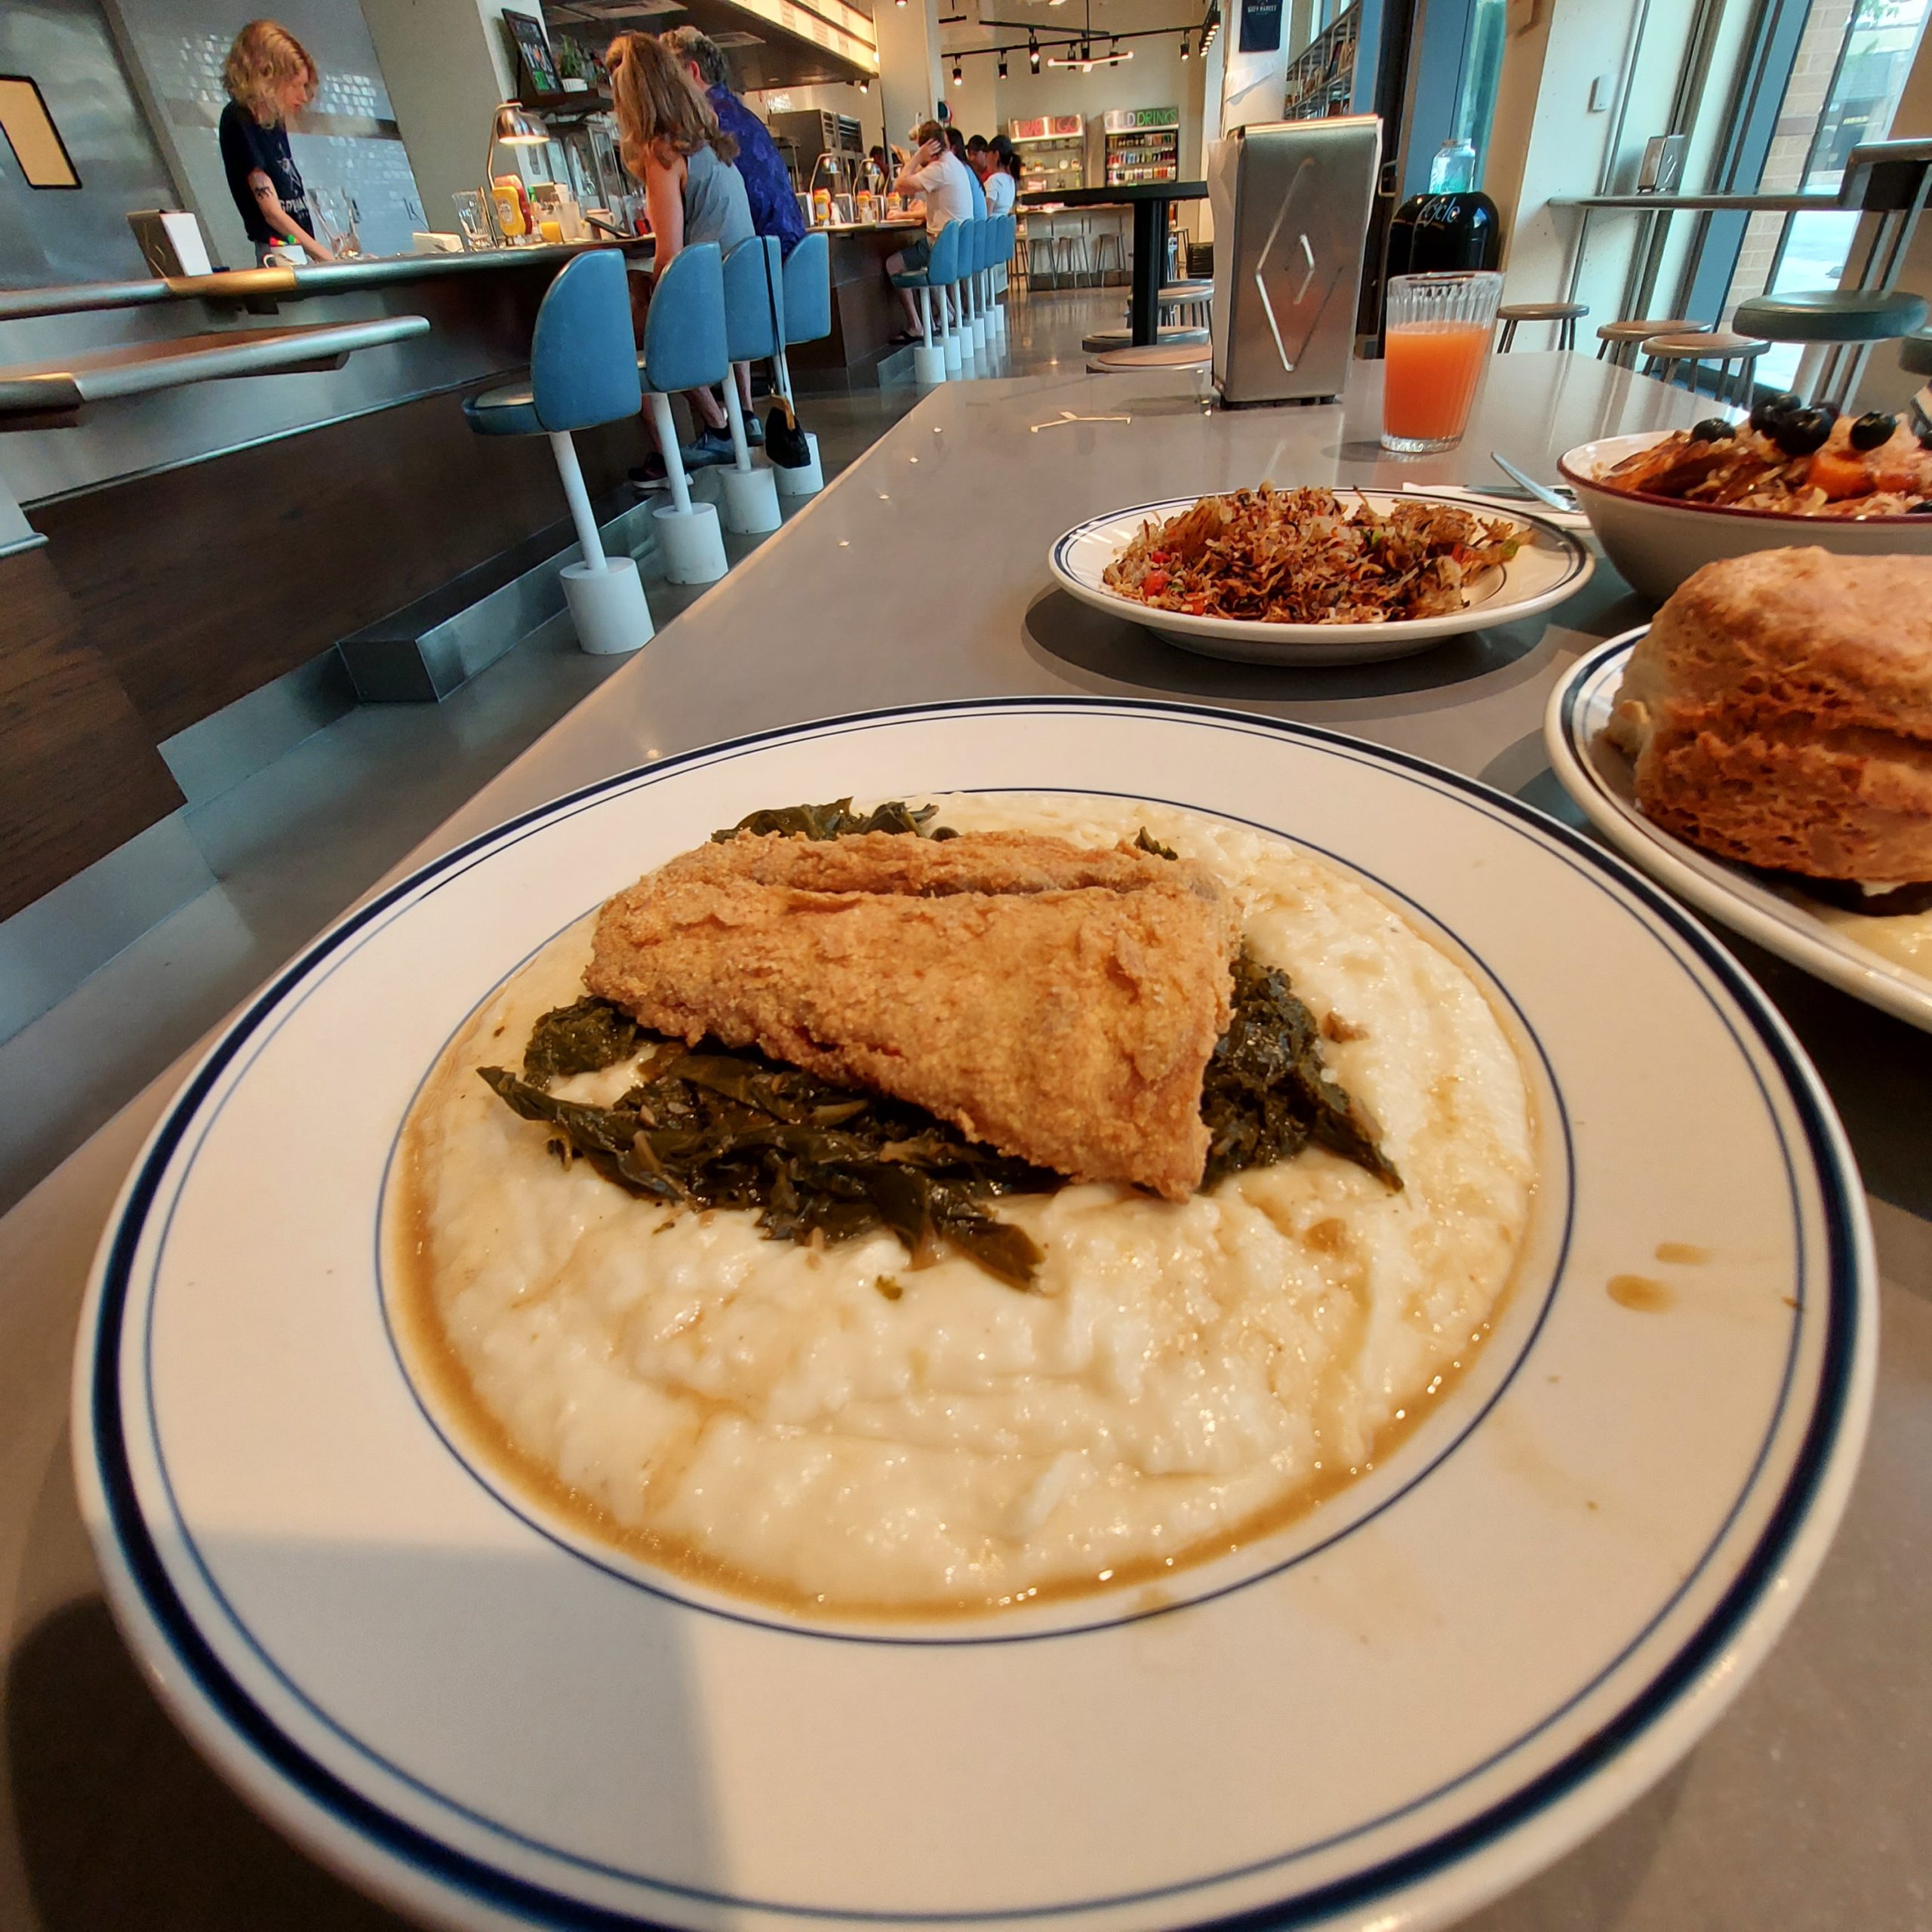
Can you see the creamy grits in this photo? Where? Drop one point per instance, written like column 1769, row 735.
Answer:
column 828, row 1428
column 1903, row 938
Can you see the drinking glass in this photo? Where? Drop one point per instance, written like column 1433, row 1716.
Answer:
column 336, row 210
column 473, row 215
column 1437, row 337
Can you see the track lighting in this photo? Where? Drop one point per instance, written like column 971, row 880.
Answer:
column 1033, row 53
column 1183, row 47
column 1002, row 64
column 959, row 74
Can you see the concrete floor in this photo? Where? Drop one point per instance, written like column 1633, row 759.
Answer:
column 300, row 840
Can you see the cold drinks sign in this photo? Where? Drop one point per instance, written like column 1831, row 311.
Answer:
column 1260, row 25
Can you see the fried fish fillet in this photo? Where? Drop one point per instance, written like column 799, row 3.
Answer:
column 1057, row 1001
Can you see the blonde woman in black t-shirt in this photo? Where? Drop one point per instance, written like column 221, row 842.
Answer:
column 269, row 76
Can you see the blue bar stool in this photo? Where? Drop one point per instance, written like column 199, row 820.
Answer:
column 805, row 313
column 963, row 303
column 684, row 348
column 930, row 363
column 976, row 284
column 1005, row 245
column 752, row 332
column 946, row 273
column 582, row 373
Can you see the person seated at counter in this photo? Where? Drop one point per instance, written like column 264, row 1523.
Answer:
column 997, row 164
column 269, row 76
column 767, row 181
column 956, row 141
column 935, row 177
column 668, row 136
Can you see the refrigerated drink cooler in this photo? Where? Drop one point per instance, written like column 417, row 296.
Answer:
column 1291, row 201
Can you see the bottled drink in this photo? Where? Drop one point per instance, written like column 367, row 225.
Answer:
column 1453, row 169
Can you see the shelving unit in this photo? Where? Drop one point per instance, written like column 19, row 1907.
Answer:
column 1144, row 144
column 1053, row 151
column 1322, row 77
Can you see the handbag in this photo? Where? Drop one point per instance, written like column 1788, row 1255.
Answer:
column 785, row 442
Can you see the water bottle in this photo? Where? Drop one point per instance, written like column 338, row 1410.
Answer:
column 1453, row 169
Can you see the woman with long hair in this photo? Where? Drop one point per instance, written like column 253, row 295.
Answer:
column 668, row 136
column 269, row 76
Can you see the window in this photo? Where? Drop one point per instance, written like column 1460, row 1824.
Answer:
column 1847, row 75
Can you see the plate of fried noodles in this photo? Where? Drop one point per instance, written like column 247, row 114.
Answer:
column 1318, row 576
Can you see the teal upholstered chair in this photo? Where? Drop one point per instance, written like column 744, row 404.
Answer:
column 754, row 332
column 583, row 374
column 684, row 348
column 938, row 356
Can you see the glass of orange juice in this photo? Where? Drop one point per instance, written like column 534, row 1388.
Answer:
column 1436, row 341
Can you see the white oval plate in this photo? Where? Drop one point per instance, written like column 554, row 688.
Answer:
column 1552, row 564
column 1388, row 1711
column 1782, row 920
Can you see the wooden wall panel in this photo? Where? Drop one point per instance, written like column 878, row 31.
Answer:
column 202, row 584
column 79, row 774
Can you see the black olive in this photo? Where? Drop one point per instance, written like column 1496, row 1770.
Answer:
column 1713, row 430
column 1868, row 432
column 1800, row 435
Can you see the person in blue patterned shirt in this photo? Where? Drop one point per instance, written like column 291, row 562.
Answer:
column 767, row 180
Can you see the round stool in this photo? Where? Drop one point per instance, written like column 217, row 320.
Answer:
column 1149, row 355
column 1101, row 340
column 1915, row 353
column 1849, row 319
column 1190, row 300
column 1107, row 243
column 1565, row 314
column 1621, row 340
column 1722, row 346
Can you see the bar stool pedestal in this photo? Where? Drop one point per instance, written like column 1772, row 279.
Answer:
column 607, row 606
column 807, row 480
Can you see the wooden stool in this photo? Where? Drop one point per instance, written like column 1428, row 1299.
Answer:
column 1848, row 321
column 1621, row 340
column 1149, row 355
column 1565, row 314
column 1722, row 346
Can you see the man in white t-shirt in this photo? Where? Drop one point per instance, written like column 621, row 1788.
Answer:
column 944, row 184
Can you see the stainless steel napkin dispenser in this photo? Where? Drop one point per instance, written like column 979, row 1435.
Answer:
column 1291, row 201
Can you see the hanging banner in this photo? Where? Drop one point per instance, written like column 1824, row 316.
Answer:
column 1260, row 25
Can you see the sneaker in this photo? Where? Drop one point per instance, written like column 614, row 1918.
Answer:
column 651, row 474
column 713, row 447
column 754, row 430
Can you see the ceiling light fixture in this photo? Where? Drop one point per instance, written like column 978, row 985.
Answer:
column 1033, row 52
column 1002, row 63
column 1183, row 47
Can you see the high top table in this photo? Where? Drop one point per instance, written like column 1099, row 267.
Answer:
column 1149, row 202
column 1807, row 1809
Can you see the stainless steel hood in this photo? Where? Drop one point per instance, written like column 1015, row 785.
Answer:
column 771, row 43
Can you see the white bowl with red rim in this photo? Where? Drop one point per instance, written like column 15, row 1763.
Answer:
column 1655, row 543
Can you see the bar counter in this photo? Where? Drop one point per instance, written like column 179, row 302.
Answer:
column 1808, row 1807
column 188, row 541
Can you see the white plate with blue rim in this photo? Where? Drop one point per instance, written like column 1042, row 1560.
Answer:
column 1552, row 565
column 1386, row 1711
column 1822, row 940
